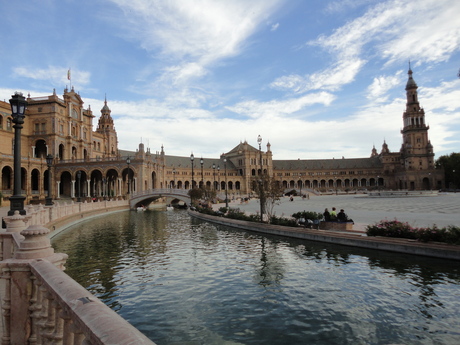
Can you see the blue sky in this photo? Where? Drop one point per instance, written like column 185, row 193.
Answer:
column 316, row 78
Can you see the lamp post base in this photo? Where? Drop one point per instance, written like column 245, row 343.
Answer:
column 49, row 201
column 17, row 204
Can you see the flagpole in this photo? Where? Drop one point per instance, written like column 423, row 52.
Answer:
column 69, row 77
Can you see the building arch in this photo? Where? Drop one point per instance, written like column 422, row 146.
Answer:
column 61, row 152
column 40, row 150
column 7, row 178
column 35, row 181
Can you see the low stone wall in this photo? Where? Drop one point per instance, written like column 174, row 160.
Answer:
column 341, row 226
column 437, row 250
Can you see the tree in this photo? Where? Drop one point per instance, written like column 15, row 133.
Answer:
column 269, row 191
column 451, row 165
column 206, row 194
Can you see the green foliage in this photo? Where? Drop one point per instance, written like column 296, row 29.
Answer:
column 236, row 213
column 196, row 193
column 283, row 221
column 397, row 229
column 451, row 166
column 308, row 215
column 223, row 209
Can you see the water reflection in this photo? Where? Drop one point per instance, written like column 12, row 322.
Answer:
column 183, row 281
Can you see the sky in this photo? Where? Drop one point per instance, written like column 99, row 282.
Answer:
column 317, row 79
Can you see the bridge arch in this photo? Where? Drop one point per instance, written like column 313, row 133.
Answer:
column 148, row 196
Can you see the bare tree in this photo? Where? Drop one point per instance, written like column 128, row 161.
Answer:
column 269, row 191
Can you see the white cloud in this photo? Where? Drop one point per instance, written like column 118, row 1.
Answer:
column 427, row 30
column 55, row 75
column 195, row 33
column 382, row 84
column 330, row 79
column 275, row 27
column 256, row 109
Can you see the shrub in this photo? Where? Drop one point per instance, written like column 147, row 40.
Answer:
column 236, row 213
column 452, row 235
column 282, row 221
column 308, row 215
column 398, row 229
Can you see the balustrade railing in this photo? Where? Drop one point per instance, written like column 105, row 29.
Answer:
column 43, row 305
column 63, row 312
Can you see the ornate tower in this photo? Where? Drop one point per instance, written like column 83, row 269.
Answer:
column 417, row 170
column 106, row 127
column 417, row 151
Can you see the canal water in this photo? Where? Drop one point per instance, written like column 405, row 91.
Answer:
column 184, row 281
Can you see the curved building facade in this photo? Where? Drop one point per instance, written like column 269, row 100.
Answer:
column 88, row 164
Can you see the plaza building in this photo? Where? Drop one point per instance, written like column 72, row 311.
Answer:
column 88, row 164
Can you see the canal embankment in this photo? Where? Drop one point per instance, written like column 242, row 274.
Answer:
column 346, row 238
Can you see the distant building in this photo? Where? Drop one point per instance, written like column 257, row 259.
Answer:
column 88, row 164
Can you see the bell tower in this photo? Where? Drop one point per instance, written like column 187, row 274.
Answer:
column 106, row 127
column 417, row 151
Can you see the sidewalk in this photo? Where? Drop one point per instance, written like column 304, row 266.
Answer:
column 442, row 210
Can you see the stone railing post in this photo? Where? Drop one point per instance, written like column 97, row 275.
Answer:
column 18, row 282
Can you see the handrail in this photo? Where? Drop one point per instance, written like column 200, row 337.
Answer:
column 59, row 302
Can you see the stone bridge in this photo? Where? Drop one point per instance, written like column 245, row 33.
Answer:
column 147, row 196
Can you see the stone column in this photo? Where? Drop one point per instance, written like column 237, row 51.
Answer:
column 88, row 185
column 58, row 190
column 72, row 191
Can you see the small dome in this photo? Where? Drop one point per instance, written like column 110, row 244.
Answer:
column 411, row 84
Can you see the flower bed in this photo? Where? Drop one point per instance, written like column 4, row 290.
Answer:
column 395, row 228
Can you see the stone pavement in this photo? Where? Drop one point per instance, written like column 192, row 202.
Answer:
column 421, row 211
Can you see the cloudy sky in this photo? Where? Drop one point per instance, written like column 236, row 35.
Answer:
column 315, row 78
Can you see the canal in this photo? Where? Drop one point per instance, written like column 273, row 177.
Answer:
column 183, row 281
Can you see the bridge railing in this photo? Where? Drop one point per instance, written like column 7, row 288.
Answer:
column 166, row 191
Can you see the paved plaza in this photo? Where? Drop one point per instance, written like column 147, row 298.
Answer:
column 422, row 211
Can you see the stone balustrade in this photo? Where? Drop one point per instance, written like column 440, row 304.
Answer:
column 40, row 303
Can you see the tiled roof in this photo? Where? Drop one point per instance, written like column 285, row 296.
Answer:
column 328, row 164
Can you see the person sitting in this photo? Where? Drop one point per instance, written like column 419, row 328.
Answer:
column 333, row 215
column 341, row 216
column 327, row 215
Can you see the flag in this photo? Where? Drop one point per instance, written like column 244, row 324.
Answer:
column 68, row 74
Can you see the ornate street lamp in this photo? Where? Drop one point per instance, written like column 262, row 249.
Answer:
column 226, row 186
column 192, row 157
column 202, row 179
column 214, row 174
column 18, row 108
column 79, row 186
column 261, row 192
column 128, row 161
column 49, row 162
column 218, row 178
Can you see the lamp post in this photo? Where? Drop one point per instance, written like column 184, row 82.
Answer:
column 104, row 188
column 174, row 175
column 192, row 158
column 128, row 161
column 79, row 189
column 18, row 108
column 202, row 179
column 214, row 174
column 218, row 178
column 335, row 183
column 261, row 187
column 226, row 186
column 378, row 187
column 49, row 162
